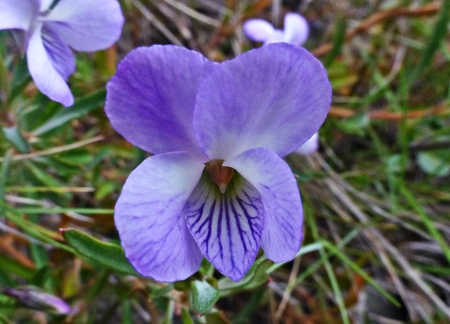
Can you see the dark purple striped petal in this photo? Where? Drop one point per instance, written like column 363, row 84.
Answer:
column 149, row 217
column 274, row 180
column 227, row 227
column 58, row 52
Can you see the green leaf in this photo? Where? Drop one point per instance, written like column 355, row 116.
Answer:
column 439, row 33
column 108, row 254
column 79, row 109
column 434, row 164
column 202, row 296
column 338, row 41
column 13, row 135
column 255, row 277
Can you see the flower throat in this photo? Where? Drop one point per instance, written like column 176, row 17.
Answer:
column 221, row 175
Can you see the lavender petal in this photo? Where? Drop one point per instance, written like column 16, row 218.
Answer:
column 44, row 74
column 227, row 227
column 296, row 29
column 18, row 14
column 87, row 25
column 150, row 101
column 276, row 96
column 148, row 216
column 274, row 180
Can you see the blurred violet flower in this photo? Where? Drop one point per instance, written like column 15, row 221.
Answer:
column 32, row 297
column 216, row 186
column 46, row 35
column 296, row 31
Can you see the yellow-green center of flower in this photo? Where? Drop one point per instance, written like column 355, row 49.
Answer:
column 221, row 175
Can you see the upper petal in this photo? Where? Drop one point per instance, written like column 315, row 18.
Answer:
column 44, row 74
column 150, row 101
column 18, row 14
column 87, row 25
column 276, row 96
column 310, row 146
column 258, row 30
column 227, row 227
column 148, row 216
column 276, row 37
column 296, row 29
column 274, row 180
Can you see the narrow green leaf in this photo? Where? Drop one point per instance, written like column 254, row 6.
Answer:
column 186, row 317
column 13, row 135
column 108, row 254
column 439, row 33
column 61, row 210
column 79, row 109
column 427, row 221
column 4, row 84
column 4, row 176
column 338, row 41
column 202, row 296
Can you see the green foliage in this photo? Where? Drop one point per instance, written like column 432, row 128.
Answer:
column 108, row 254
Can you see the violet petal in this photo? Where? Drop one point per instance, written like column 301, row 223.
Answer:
column 227, row 227
column 274, row 180
column 296, row 29
column 44, row 74
column 310, row 146
column 258, row 30
column 150, row 101
column 18, row 14
column 148, row 216
column 276, row 97
column 59, row 53
column 87, row 25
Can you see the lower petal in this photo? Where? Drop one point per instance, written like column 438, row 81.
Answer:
column 274, row 180
column 148, row 216
column 44, row 74
column 227, row 227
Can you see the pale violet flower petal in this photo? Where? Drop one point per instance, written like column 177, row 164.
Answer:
column 274, row 180
column 149, row 217
column 276, row 37
column 150, row 101
column 44, row 74
column 310, row 146
column 258, row 30
column 18, row 14
column 45, row 5
column 59, row 53
column 227, row 227
column 275, row 97
column 296, row 29
column 87, row 25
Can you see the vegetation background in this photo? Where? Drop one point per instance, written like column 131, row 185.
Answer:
column 376, row 195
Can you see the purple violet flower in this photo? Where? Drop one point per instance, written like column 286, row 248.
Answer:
column 32, row 297
column 216, row 186
column 296, row 31
column 46, row 35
